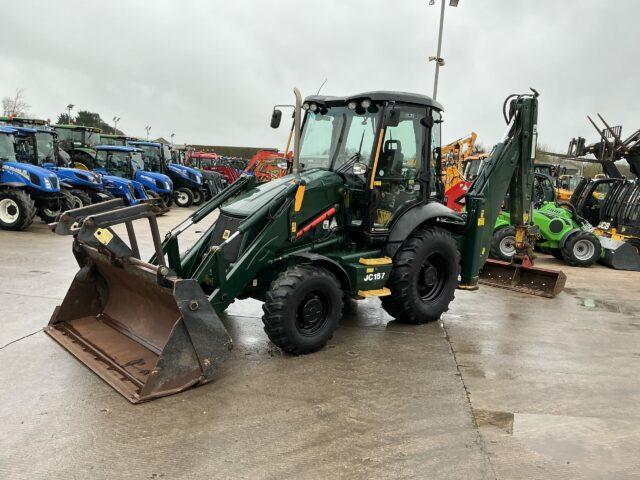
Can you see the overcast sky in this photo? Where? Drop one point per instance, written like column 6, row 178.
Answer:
column 211, row 70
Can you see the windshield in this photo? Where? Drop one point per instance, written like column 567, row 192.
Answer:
column 44, row 142
column 7, row 149
column 166, row 153
column 136, row 161
column 338, row 137
column 151, row 158
column 117, row 141
column 68, row 135
column 91, row 139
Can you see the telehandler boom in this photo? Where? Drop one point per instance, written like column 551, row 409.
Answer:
column 359, row 215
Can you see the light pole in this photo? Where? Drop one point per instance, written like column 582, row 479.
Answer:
column 148, row 129
column 69, row 108
column 438, row 59
column 172, row 135
column 115, row 124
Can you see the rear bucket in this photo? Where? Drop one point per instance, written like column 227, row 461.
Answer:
column 619, row 255
column 144, row 335
column 531, row 280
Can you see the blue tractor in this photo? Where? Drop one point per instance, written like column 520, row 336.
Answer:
column 26, row 190
column 127, row 163
column 41, row 148
column 188, row 184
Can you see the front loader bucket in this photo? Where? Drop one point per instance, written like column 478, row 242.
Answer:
column 531, row 280
column 619, row 255
column 143, row 330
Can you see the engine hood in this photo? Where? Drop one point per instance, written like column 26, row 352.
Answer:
column 322, row 185
column 152, row 176
column 76, row 174
column 117, row 181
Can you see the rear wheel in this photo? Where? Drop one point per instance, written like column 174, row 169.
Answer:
column 183, row 197
column 582, row 249
column 302, row 309
column 17, row 210
column 424, row 276
column 503, row 243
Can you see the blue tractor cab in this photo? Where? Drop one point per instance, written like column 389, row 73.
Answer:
column 127, row 163
column 188, row 184
column 41, row 148
column 26, row 190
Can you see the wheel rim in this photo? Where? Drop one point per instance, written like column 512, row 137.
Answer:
column 196, row 197
column 508, row 246
column 312, row 314
column 9, row 210
column 182, row 198
column 76, row 202
column 431, row 278
column 583, row 249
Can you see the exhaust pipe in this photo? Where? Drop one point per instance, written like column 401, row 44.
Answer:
column 297, row 126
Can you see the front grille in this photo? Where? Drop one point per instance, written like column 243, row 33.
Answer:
column 224, row 228
column 132, row 191
column 54, row 182
column 160, row 184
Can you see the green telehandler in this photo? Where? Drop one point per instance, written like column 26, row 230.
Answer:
column 359, row 215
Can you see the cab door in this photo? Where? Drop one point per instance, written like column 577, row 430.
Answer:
column 394, row 182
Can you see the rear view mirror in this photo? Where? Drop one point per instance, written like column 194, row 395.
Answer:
column 393, row 117
column 276, row 116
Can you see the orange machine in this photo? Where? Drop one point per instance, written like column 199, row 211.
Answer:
column 266, row 165
column 456, row 160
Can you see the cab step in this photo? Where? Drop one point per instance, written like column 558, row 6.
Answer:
column 381, row 292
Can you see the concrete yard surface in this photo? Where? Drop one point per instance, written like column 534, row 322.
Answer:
column 505, row 386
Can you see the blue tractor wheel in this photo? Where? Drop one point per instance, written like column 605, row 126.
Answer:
column 17, row 209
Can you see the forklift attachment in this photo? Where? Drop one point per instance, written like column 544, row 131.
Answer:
column 619, row 254
column 521, row 278
column 144, row 331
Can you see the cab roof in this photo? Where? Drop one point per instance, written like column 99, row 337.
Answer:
column 7, row 129
column 117, row 148
column 79, row 127
column 145, row 143
column 378, row 96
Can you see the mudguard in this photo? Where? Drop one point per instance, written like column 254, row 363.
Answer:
column 415, row 217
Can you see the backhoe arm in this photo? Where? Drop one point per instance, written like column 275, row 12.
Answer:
column 508, row 169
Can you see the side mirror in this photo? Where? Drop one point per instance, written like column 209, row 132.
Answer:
column 276, row 117
column 359, row 168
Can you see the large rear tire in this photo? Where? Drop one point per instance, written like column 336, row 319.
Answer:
column 503, row 244
column 183, row 197
column 302, row 309
column 17, row 210
column 424, row 276
column 582, row 249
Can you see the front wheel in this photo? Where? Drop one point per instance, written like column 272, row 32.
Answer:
column 503, row 244
column 183, row 197
column 582, row 249
column 302, row 309
column 17, row 210
column 51, row 210
column 198, row 198
column 424, row 276
column 79, row 198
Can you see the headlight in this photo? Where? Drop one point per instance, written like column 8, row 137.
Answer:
column 47, row 183
column 167, row 185
column 365, row 103
column 305, row 106
column 352, row 105
column 313, row 107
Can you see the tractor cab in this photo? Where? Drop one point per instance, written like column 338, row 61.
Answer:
column 114, row 140
column 126, row 163
column 80, row 143
column 386, row 148
column 188, row 182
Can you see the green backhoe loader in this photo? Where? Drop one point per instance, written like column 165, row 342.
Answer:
column 359, row 215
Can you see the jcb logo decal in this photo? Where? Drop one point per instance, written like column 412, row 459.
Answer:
column 225, row 234
column 374, row 276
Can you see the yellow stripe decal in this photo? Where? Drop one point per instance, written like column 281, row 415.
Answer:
column 297, row 204
column 375, row 159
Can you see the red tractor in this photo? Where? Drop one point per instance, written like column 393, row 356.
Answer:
column 212, row 162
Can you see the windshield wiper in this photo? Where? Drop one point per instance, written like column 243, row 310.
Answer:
column 353, row 158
